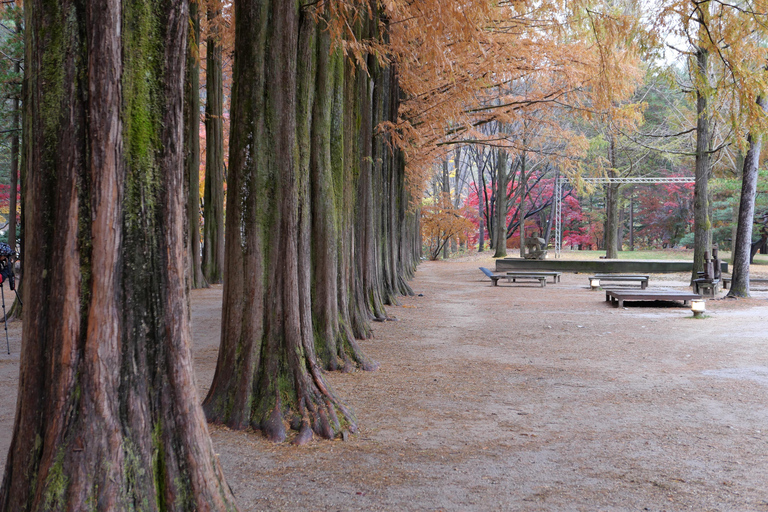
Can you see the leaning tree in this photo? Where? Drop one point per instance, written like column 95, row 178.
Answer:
column 107, row 416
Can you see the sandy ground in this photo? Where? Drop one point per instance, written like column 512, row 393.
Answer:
column 518, row 397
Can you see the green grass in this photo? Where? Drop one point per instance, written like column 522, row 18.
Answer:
column 670, row 254
column 666, row 254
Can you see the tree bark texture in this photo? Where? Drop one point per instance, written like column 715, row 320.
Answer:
column 702, row 226
column 213, row 195
column 267, row 373
column 632, row 221
column 107, row 416
column 446, row 196
column 612, row 206
column 305, row 217
column 735, row 211
column 192, row 149
column 501, row 208
column 743, row 244
column 523, row 193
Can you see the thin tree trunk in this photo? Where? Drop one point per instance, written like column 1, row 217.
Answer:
column 632, row 221
column 552, row 212
column 481, row 202
column 15, row 310
column 611, row 206
column 702, row 228
column 743, row 242
column 500, row 228
column 107, row 413
column 213, row 228
column 523, row 192
column 192, row 149
column 735, row 213
column 445, row 196
column 15, row 136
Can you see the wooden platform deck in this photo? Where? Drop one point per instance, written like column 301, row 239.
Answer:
column 618, row 296
column 554, row 275
column 599, row 266
column 752, row 280
column 622, row 278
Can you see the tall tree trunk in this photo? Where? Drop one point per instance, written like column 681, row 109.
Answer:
column 523, row 193
column 192, row 149
column 267, row 375
column 445, row 196
column 336, row 346
column 15, row 310
column 702, row 227
column 482, row 200
column 481, row 220
column 501, row 208
column 735, row 213
column 552, row 212
column 23, row 129
column 107, row 413
column 612, row 205
column 368, row 300
column 15, row 137
column 213, row 228
column 743, row 243
column 632, row 221
column 353, row 304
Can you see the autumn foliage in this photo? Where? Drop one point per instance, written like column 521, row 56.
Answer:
column 441, row 222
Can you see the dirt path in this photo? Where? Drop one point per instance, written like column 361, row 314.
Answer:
column 520, row 398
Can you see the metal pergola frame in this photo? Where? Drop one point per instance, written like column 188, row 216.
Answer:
column 559, row 197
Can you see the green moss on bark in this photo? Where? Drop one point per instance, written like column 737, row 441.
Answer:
column 56, row 483
column 142, row 113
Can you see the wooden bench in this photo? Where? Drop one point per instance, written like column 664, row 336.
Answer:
column 757, row 280
column 554, row 275
column 623, row 278
column 619, row 296
column 706, row 287
column 510, row 279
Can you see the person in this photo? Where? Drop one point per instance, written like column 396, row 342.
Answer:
column 6, row 265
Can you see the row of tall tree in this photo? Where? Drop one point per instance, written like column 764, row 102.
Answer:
column 319, row 237
column 337, row 111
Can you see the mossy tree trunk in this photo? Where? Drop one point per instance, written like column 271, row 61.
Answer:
column 397, row 212
column 743, row 244
column 107, row 415
column 268, row 375
column 306, row 228
column 192, row 149
column 213, row 195
column 335, row 342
